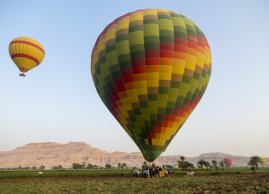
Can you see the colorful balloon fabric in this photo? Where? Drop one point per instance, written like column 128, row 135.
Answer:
column 151, row 68
column 263, row 160
column 26, row 53
column 228, row 162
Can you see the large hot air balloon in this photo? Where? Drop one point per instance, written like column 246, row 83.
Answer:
column 151, row 67
column 228, row 162
column 26, row 53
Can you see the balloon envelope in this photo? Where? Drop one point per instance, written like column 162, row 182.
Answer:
column 228, row 162
column 263, row 160
column 26, row 53
column 150, row 68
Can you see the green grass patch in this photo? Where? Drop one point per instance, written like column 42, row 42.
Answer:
column 4, row 174
column 63, row 173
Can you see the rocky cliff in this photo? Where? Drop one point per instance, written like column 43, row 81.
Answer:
column 52, row 154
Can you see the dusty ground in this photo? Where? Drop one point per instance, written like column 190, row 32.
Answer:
column 257, row 183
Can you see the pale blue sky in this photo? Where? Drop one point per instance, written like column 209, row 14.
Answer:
column 57, row 101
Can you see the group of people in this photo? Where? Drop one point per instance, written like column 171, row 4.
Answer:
column 151, row 171
column 156, row 171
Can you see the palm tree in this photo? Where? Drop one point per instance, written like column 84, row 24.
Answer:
column 201, row 163
column 89, row 166
column 124, row 165
column 59, row 166
column 215, row 164
column 221, row 163
column 182, row 163
column 119, row 165
column 182, row 158
column 254, row 162
column 189, row 165
column 42, row 167
column 207, row 165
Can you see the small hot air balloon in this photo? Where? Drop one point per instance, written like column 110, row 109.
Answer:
column 26, row 53
column 150, row 68
column 228, row 162
column 263, row 160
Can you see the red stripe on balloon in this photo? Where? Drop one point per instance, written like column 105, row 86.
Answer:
column 28, row 43
column 165, row 46
column 138, row 65
column 152, row 60
column 22, row 69
column 167, row 53
column 181, row 48
column 127, row 78
column 180, row 41
column 119, row 86
column 152, row 53
column 25, row 56
column 139, row 69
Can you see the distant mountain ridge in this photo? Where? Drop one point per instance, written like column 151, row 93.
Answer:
column 52, row 154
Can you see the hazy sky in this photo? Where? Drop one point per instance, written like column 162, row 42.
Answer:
column 57, row 101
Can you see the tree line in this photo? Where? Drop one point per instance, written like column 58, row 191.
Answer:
column 182, row 163
column 253, row 163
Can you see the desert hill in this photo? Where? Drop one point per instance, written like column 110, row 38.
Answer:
column 52, row 154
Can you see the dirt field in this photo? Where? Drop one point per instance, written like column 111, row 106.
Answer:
column 254, row 183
